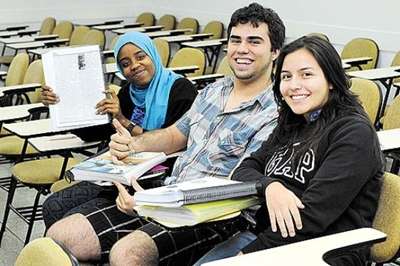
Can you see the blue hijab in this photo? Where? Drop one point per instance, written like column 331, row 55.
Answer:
column 155, row 97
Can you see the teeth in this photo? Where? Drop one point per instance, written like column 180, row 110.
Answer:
column 297, row 97
column 243, row 61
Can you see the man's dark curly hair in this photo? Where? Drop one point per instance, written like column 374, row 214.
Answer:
column 255, row 14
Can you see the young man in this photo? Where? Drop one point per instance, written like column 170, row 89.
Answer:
column 228, row 120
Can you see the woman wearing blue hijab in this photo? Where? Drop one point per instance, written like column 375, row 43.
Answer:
column 154, row 97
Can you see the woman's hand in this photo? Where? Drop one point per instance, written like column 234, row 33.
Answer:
column 124, row 201
column 283, row 208
column 109, row 105
column 47, row 96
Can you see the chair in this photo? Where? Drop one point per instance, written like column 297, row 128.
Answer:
column 94, row 37
column 47, row 26
column 188, row 57
column 63, row 29
column 387, row 220
column 17, row 69
column 78, row 35
column 163, row 49
column 168, row 21
column 34, row 74
column 370, row 96
column 189, row 23
column 360, row 47
column 224, row 68
column 216, row 28
column 44, row 250
column 110, row 57
column 320, row 35
column 396, row 62
column 146, row 18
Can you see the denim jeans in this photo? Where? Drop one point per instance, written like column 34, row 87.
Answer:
column 229, row 248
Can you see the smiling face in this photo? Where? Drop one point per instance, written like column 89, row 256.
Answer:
column 303, row 83
column 136, row 65
column 249, row 52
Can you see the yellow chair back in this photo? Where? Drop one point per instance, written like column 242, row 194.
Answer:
column 34, row 74
column 189, row 23
column 168, row 21
column 360, row 47
column 64, row 29
column 78, row 35
column 146, row 18
column 188, row 57
column 163, row 49
column 216, row 28
column 47, row 26
column 17, row 69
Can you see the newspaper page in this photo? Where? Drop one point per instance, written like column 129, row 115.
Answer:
column 76, row 75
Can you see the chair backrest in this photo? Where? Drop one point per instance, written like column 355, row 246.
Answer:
column 360, row 47
column 320, row 35
column 189, row 23
column 387, row 219
column 216, row 28
column 396, row 62
column 17, row 69
column 64, row 29
column 34, row 74
column 94, row 37
column 224, row 68
column 111, row 59
column 369, row 95
column 47, row 26
column 146, row 18
column 168, row 21
column 163, row 49
column 78, row 35
column 392, row 115
column 43, row 250
column 188, row 57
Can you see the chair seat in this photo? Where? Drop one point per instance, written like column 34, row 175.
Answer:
column 4, row 132
column 61, row 184
column 44, row 171
column 6, row 59
column 12, row 145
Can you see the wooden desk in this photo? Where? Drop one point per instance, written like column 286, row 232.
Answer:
column 106, row 27
column 16, row 112
column 389, row 139
column 211, row 48
column 383, row 75
column 310, row 252
column 357, row 61
column 59, row 143
column 99, row 22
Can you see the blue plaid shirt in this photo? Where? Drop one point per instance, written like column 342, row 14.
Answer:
column 218, row 140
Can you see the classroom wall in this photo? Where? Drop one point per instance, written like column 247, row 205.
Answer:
column 341, row 20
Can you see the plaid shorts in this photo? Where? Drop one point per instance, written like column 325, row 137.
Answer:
column 182, row 246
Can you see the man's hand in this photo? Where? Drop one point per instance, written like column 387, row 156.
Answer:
column 47, row 96
column 283, row 208
column 121, row 143
column 109, row 105
column 125, row 201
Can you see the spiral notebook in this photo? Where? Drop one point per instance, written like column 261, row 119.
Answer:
column 195, row 191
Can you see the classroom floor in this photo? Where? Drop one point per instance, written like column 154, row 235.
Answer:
column 14, row 236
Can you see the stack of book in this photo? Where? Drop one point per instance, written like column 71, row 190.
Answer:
column 196, row 201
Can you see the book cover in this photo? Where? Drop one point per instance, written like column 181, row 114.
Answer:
column 101, row 168
column 194, row 191
column 192, row 214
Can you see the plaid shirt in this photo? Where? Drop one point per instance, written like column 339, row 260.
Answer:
column 217, row 140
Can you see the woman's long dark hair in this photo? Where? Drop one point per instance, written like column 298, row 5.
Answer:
column 340, row 100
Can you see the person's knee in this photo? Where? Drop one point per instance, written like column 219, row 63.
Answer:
column 137, row 248
column 77, row 235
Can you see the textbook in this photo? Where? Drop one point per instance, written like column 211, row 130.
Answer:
column 101, row 168
column 76, row 75
column 192, row 214
column 194, row 191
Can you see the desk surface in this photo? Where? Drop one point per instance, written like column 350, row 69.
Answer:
column 36, row 44
column 376, row 73
column 140, row 29
column 20, row 88
column 29, row 128
column 357, row 60
column 117, row 26
column 204, row 43
column 99, row 22
column 389, row 139
column 23, row 39
column 309, row 252
column 10, row 113
column 164, row 33
column 60, row 143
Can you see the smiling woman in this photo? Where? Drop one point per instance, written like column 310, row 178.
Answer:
column 309, row 170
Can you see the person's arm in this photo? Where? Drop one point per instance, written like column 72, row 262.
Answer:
column 348, row 164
